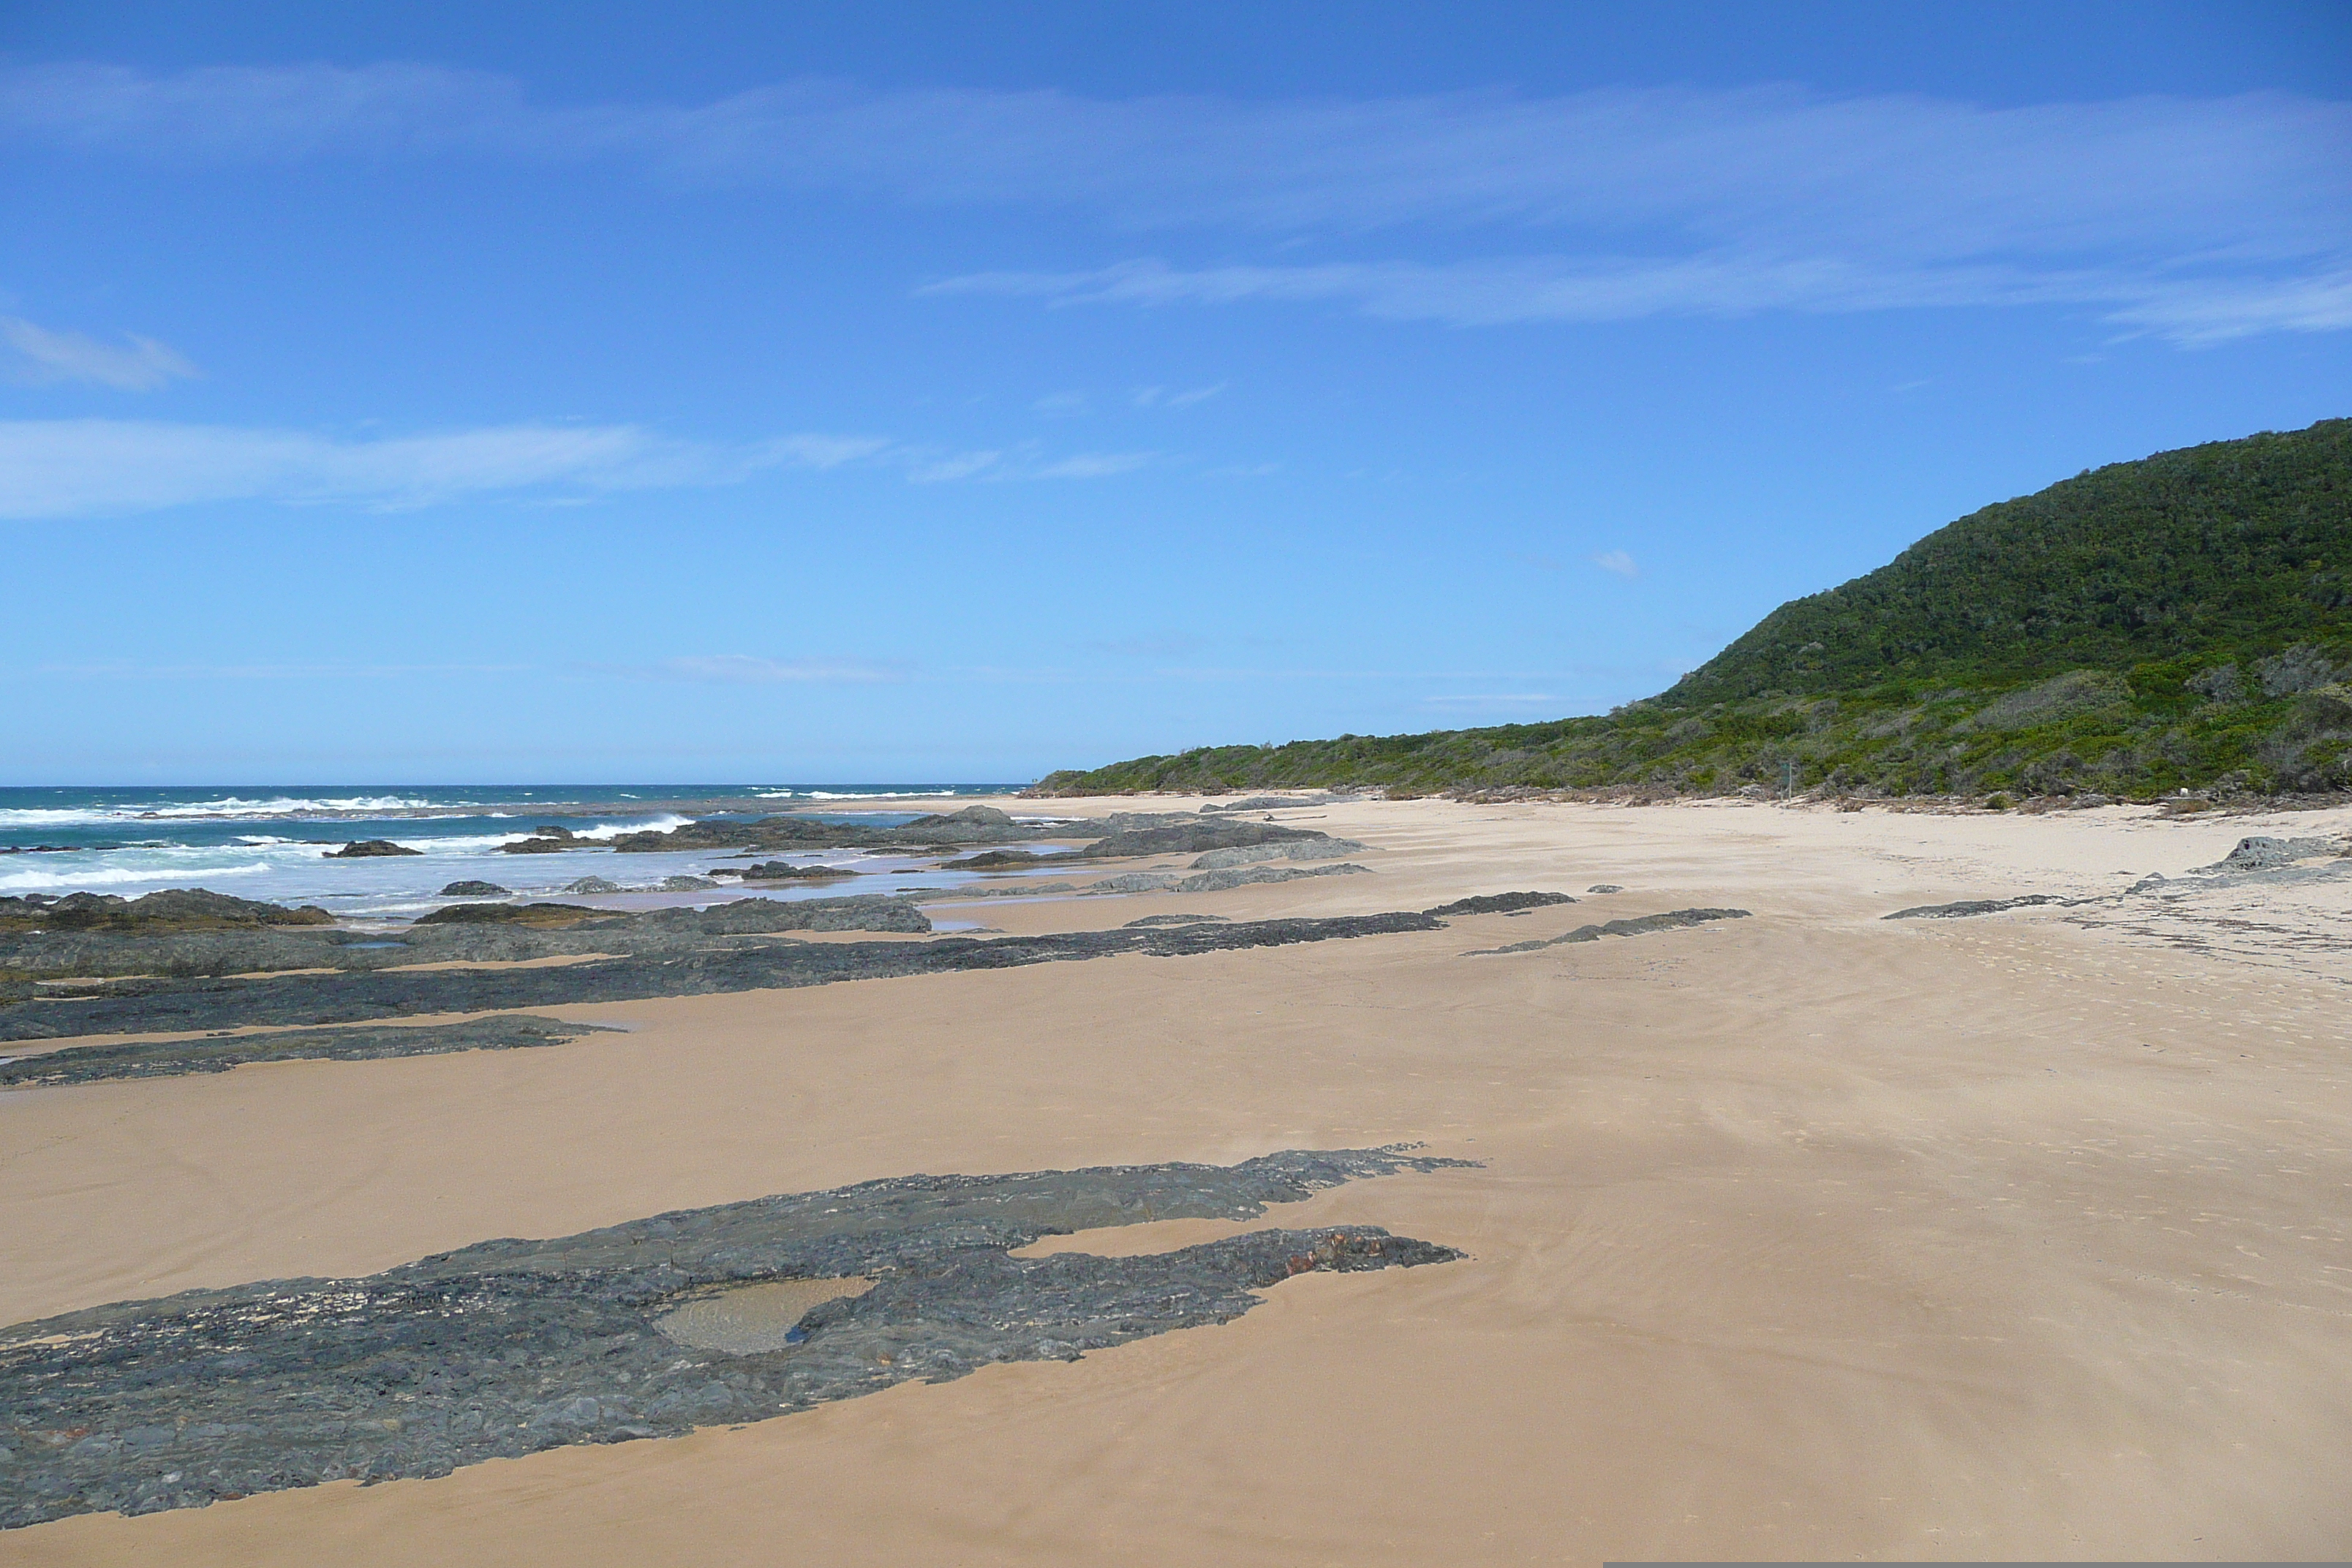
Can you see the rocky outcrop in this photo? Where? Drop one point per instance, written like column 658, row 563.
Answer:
column 1318, row 848
column 1502, row 903
column 507, row 1348
column 368, row 848
column 1640, row 926
column 1192, row 835
column 367, row 1042
column 1961, row 909
column 592, row 885
column 998, row 860
column 665, row 953
column 547, row 840
column 2266, row 854
column 179, row 955
column 555, row 917
column 476, row 890
column 978, row 818
column 973, row 824
column 172, row 910
column 786, row 871
column 1278, row 802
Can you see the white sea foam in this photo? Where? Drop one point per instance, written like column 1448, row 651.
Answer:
column 603, row 830
column 116, row 875
column 876, row 794
column 226, row 808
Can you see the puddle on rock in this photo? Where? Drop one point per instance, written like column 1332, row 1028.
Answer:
column 750, row 1318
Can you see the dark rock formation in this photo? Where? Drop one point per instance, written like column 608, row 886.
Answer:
column 986, row 818
column 2266, row 854
column 367, row 849
column 1502, row 903
column 998, row 860
column 1316, row 849
column 510, row 1347
column 689, row 964
column 1963, row 908
column 1604, row 888
column 1639, row 926
column 546, row 840
column 550, row 915
column 1190, row 836
column 973, row 824
column 171, row 909
column 1278, row 802
column 29, row 948
column 786, row 871
column 592, row 885
column 476, row 890
column 367, row 1042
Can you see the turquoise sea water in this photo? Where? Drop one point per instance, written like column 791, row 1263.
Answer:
column 271, row 843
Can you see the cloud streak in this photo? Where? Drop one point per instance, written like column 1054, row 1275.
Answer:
column 42, row 355
column 2200, row 219
column 1557, row 288
column 98, row 467
column 746, row 670
column 85, row 468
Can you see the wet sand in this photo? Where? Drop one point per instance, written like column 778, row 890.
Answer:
column 1807, row 1235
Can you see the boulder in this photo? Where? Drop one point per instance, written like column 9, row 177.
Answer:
column 1192, row 835
column 549, row 915
column 172, row 910
column 476, row 890
column 970, row 816
column 367, row 849
column 544, row 840
column 996, row 861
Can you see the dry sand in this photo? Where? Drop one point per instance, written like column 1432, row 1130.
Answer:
column 1809, row 1234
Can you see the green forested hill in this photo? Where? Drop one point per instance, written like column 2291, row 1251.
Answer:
column 2182, row 621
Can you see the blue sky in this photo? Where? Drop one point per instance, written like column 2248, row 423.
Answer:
column 699, row 393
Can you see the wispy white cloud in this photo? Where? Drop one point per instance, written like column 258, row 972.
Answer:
column 1160, row 397
column 142, row 364
column 953, row 467
column 1168, row 645
column 1618, row 562
column 1093, row 466
column 745, row 669
column 1497, row 291
column 1025, row 461
column 81, row 468
column 2199, row 218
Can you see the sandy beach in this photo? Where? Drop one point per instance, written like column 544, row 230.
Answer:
column 1806, row 1234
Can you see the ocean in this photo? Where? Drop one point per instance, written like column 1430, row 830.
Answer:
column 272, row 843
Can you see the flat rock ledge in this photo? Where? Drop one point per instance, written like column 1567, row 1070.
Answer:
column 1640, row 925
column 362, row 1043
column 701, row 961
column 510, row 1347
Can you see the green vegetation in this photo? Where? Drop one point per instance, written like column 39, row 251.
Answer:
column 2183, row 622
